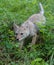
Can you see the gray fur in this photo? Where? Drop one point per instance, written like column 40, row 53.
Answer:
column 29, row 27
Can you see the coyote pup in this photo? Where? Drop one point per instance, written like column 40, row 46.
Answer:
column 29, row 27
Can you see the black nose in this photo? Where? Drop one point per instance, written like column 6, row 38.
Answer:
column 17, row 39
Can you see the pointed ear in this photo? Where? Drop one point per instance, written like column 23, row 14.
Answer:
column 16, row 27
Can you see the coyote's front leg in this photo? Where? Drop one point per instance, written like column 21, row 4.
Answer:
column 21, row 44
column 34, row 39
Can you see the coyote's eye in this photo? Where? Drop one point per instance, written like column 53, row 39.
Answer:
column 21, row 33
column 16, row 33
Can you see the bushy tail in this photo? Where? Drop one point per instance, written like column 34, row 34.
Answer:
column 42, row 10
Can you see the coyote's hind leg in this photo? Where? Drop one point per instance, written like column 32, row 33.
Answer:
column 34, row 39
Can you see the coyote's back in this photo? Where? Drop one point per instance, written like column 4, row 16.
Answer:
column 36, row 18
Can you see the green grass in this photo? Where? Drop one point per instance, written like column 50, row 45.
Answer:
column 19, row 11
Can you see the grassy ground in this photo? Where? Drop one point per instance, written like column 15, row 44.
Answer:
column 19, row 11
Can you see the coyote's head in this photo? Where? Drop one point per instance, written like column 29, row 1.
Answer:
column 20, row 32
